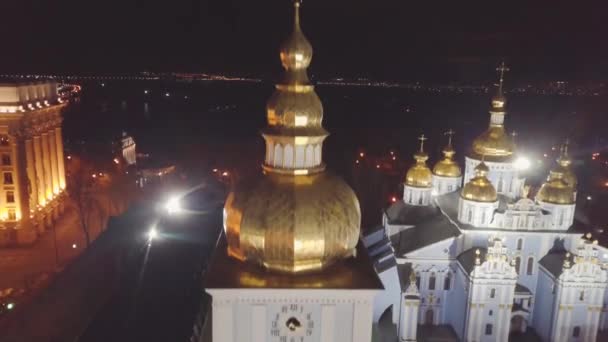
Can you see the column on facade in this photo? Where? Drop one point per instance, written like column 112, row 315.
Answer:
column 46, row 163
column 38, row 165
column 30, row 166
column 18, row 180
column 53, row 159
column 60, row 158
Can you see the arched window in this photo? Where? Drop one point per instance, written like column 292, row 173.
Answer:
column 278, row 155
column 520, row 244
column 447, row 282
column 409, row 200
column 420, row 198
column 530, row 267
column 582, row 296
column 499, row 187
column 470, row 215
column 432, row 280
column 483, row 217
column 576, row 332
column 561, row 217
column 288, row 161
column 492, row 293
column 517, row 264
column 309, row 160
column 418, row 280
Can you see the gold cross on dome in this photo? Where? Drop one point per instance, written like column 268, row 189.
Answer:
column 422, row 138
column 502, row 68
column 450, row 134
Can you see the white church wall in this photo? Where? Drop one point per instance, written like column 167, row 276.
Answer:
column 390, row 297
column 457, row 302
column 544, row 301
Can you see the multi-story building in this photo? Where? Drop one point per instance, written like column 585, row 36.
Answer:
column 32, row 161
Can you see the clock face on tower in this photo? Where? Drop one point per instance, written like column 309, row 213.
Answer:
column 293, row 323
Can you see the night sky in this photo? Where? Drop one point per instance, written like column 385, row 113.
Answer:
column 395, row 40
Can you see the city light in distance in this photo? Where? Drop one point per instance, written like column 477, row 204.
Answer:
column 116, row 161
column 393, row 199
column 152, row 233
column 146, row 91
column 10, row 306
column 74, row 246
column 225, row 173
column 361, row 154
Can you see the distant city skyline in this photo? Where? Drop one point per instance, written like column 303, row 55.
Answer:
column 392, row 40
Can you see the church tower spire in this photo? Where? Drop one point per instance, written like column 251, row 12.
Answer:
column 294, row 135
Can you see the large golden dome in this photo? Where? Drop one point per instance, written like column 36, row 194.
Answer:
column 419, row 175
column 292, row 223
column 555, row 190
column 495, row 144
column 295, row 217
column 479, row 188
column 447, row 167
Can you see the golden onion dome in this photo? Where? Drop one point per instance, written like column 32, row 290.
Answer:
column 555, row 190
column 479, row 188
column 447, row 167
column 294, row 108
column 292, row 224
column 495, row 144
column 419, row 175
column 296, row 217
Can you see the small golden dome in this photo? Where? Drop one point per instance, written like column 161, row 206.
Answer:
column 294, row 109
column 419, row 175
column 292, row 224
column 479, row 188
column 565, row 163
column 296, row 51
column 447, row 167
column 555, row 190
column 495, row 144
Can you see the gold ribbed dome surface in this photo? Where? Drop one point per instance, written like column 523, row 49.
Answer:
column 447, row 167
column 494, row 144
column 292, row 224
column 479, row 188
column 419, row 175
column 555, row 190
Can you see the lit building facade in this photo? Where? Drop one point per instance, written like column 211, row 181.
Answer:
column 484, row 261
column 32, row 160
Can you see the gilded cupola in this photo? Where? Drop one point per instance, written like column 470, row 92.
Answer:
column 495, row 144
column 447, row 167
column 555, row 190
column 419, row 175
column 295, row 217
column 565, row 162
column 479, row 188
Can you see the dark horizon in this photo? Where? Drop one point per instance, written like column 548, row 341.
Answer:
column 392, row 40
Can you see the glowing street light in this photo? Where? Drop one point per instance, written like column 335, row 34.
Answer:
column 74, row 246
column 173, row 205
column 10, row 306
column 522, row 163
column 152, row 234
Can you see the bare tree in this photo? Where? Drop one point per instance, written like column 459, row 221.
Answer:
column 81, row 185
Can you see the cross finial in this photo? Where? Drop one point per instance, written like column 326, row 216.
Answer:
column 450, row 133
column 502, row 68
column 296, row 5
column 422, row 138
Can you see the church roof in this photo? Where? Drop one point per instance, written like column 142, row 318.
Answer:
column 467, row 258
column 554, row 262
column 520, row 289
column 435, row 229
column 400, row 213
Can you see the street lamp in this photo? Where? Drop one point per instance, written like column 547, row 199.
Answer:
column 173, row 205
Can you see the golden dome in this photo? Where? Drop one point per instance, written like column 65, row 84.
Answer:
column 555, row 190
column 447, row 167
column 294, row 108
column 419, row 175
column 292, row 223
column 296, row 218
column 564, row 162
column 495, row 144
column 479, row 188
